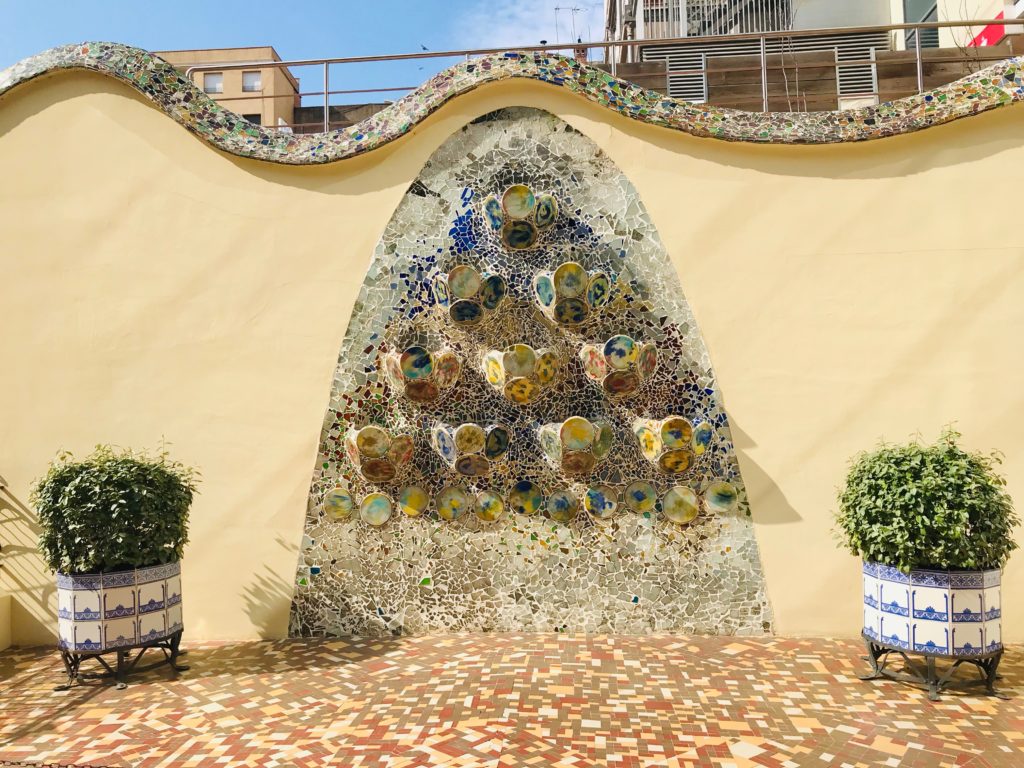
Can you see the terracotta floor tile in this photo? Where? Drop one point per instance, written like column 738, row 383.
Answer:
column 503, row 701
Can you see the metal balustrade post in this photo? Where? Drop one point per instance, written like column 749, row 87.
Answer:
column 704, row 75
column 764, row 73
column 327, row 97
column 920, row 63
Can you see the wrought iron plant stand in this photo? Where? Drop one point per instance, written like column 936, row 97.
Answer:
column 126, row 663
column 928, row 675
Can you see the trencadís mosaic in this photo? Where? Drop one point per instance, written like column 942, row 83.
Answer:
column 525, row 432
column 995, row 86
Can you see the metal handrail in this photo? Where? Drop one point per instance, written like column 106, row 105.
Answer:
column 603, row 45
column 608, row 46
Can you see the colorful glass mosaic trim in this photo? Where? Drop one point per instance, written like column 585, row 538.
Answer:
column 996, row 86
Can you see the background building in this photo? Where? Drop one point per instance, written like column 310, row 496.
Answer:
column 805, row 72
column 263, row 95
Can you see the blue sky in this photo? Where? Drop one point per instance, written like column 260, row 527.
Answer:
column 302, row 29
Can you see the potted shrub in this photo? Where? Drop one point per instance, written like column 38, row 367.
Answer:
column 933, row 525
column 114, row 525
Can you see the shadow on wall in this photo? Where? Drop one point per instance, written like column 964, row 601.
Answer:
column 21, row 572
column 768, row 504
column 268, row 599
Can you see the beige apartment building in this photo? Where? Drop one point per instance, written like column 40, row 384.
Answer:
column 263, row 95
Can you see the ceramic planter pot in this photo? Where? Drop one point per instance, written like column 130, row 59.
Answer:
column 99, row 612
column 941, row 613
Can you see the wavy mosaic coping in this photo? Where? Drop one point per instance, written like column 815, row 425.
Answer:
column 995, row 86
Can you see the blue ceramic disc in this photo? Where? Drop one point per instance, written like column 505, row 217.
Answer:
column 441, row 294
column 640, row 496
column 493, row 213
column 416, row 363
column 546, row 211
column 445, row 444
column 570, row 312
column 545, row 289
column 497, row 442
column 465, row 312
column 601, row 501
column 492, row 292
column 599, row 290
column 519, row 235
column 526, row 498
column 562, row 506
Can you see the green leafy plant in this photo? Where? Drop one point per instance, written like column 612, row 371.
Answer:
column 927, row 506
column 113, row 510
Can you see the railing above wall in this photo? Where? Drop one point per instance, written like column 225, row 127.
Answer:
column 614, row 53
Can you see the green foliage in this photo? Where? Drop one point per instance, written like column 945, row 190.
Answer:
column 113, row 510
column 927, row 506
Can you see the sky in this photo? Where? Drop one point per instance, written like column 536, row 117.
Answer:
column 303, row 29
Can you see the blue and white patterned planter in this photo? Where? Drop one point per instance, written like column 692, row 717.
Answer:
column 942, row 613
column 100, row 612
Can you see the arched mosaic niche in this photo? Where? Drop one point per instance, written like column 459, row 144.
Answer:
column 445, row 499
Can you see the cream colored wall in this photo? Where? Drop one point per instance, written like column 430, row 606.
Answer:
column 156, row 288
column 5, row 621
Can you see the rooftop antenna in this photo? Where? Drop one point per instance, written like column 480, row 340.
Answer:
column 573, row 10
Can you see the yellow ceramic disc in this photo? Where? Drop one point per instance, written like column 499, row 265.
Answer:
column 452, row 502
column 676, row 432
column 570, row 280
column 721, row 496
column 650, row 444
column 489, row 506
column 577, row 434
column 338, row 503
column 493, row 369
column 470, row 438
column 464, row 281
column 520, row 391
column 518, row 201
column 519, row 360
column 375, row 509
column 675, row 462
column 373, row 442
column 547, row 366
column 680, row 505
column 413, row 500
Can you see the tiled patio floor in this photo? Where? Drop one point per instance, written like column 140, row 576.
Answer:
column 507, row 700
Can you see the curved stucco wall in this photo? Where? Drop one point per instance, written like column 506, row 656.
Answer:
column 155, row 288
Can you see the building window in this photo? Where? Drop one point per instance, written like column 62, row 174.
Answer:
column 252, row 81
column 213, row 82
column 255, row 119
column 921, row 10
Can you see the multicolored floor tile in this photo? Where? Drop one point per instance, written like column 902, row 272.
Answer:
column 507, row 700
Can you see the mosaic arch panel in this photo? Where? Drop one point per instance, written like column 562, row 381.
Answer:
column 525, row 432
